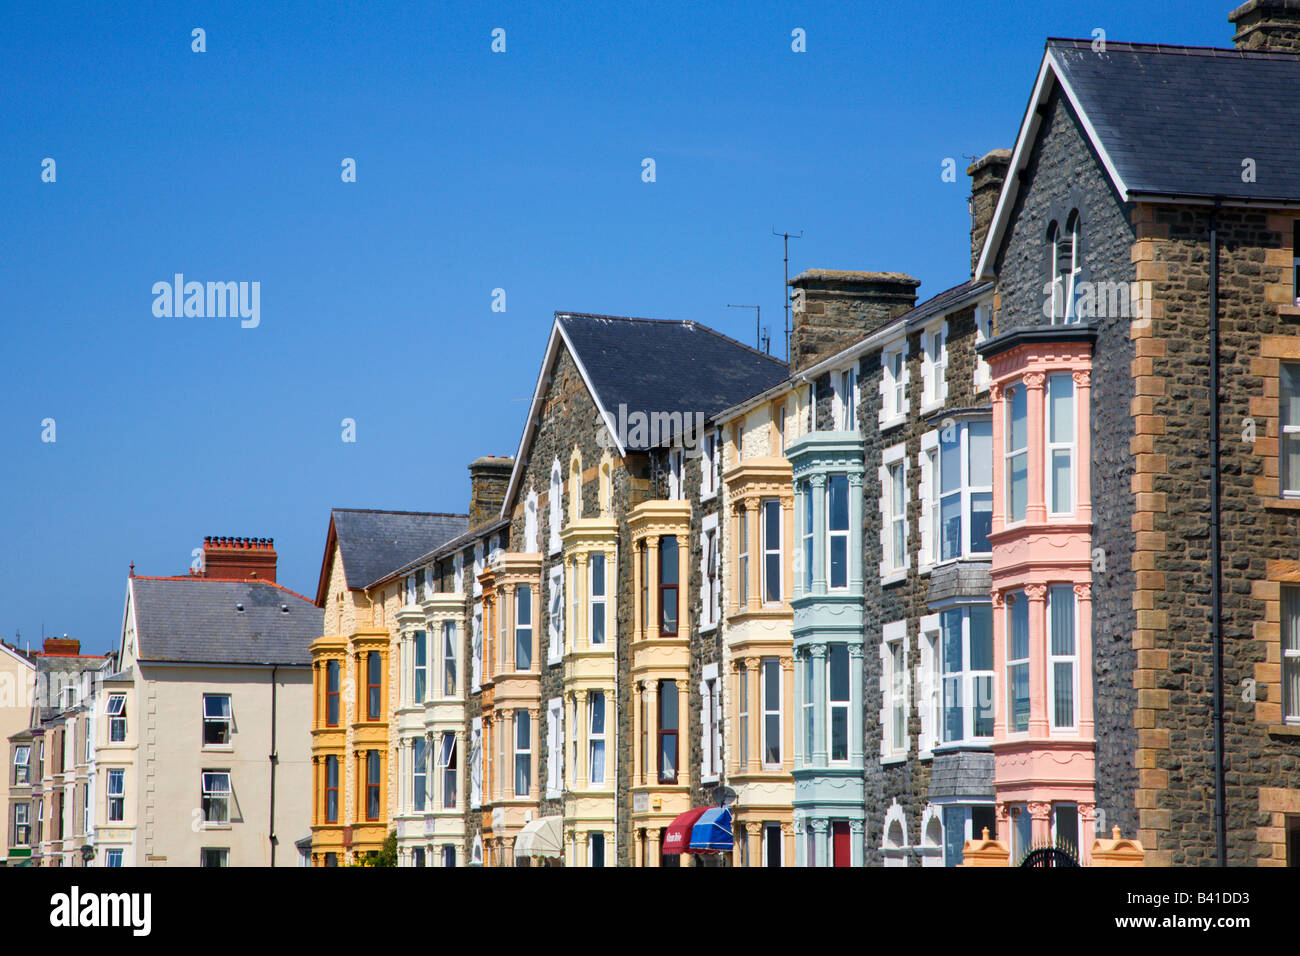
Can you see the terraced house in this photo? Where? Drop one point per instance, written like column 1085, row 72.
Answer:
column 1146, row 594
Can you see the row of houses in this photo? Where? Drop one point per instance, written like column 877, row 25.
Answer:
column 1017, row 557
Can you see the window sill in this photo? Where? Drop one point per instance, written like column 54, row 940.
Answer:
column 928, row 407
column 893, row 577
column 893, row 422
column 1284, row 730
column 893, row 759
column 222, row 748
column 709, row 778
column 708, row 628
column 1283, row 504
column 217, row 826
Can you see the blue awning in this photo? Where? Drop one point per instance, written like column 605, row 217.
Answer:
column 712, row 831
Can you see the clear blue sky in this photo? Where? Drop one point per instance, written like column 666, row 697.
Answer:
column 474, row 171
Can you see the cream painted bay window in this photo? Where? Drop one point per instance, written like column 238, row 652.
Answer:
column 596, row 738
column 771, row 689
column 596, row 598
column 772, row 563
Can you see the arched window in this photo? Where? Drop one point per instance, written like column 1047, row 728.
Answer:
column 1066, row 264
column 530, row 521
column 575, row 487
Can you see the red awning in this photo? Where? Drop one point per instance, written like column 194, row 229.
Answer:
column 677, row 838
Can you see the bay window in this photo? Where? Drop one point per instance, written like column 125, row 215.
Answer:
column 837, row 699
column 961, row 476
column 419, row 773
column 596, row 849
column 643, row 563
column 1017, row 612
column 523, row 752
column 809, row 708
column 771, row 690
column 668, row 713
column 837, row 530
column 1065, row 825
column 742, row 720
column 668, row 565
column 523, row 627
column 966, row 673
column 596, row 592
column 1016, row 453
column 447, row 764
column 1063, row 656
column 332, row 789
column 1288, row 431
column 596, row 738
column 1060, row 443
column 332, row 693
column 771, row 512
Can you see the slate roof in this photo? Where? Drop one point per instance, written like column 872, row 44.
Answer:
column 195, row 619
column 658, row 365
column 374, row 543
column 1178, row 121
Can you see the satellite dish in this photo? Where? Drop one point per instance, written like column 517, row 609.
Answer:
column 724, row 796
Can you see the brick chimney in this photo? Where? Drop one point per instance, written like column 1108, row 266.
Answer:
column 489, row 477
column 1271, row 26
column 239, row 559
column 833, row 309
column 61, row 647
column 986, row 177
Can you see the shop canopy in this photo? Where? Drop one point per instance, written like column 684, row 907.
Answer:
column 677, row 839
column 541, row 837
column 712, row 831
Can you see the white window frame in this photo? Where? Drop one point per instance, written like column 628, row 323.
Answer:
column 983, row 375
column 742, row 558
column 592, row 835
column 25, row 751
column 520, row 629
column 1010, row 600
column 476, row 764
column 530, row 521
column 1056, row 592
column 419, row 638
column 518, row 752
column 113, row 856
column 782, row 413
column 768, row 827
column 111, row 794
column 595, row 600
column 597, row 739
column 478, row 567
column 845, row 533
column 710, row 573
column 1051, row 448
column 832, row 705
column 928, row 686
column 768, row 552
column 710, row 724
column 209, row 790
column 676, row 487
column 766, row 711
column 458, row 572
column 893, row 384
column 967, row 680
column 419, row 770
column 555, row 614
column 894, row 692
column 115, row 709
column 709, row 464
column 893, row 457
column 228, row 719
column 554, row 506
column 844, row 398
column 447, row 745
column 1289, row 600
column 1288, row 431
column 554, row 748
column 476, row 645
column 1009, row 454
column 934, row 365
column 447, row 653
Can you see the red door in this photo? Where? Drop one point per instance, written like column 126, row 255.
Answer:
column 840, row 851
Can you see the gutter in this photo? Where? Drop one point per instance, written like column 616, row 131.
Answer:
column 274, row 760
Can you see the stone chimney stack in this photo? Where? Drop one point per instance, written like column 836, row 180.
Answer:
column 61, row 647
column 489, row 477
column 1267, row 26
column 833, row 309
column 987, row 175
column 239, row 559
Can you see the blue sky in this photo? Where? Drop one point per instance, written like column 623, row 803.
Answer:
column 475, row 171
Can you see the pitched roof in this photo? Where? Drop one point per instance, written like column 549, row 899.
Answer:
column 647, row 365
column 373, row 543
column 1171, row 121
column 195, row 619
column 656, row 365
